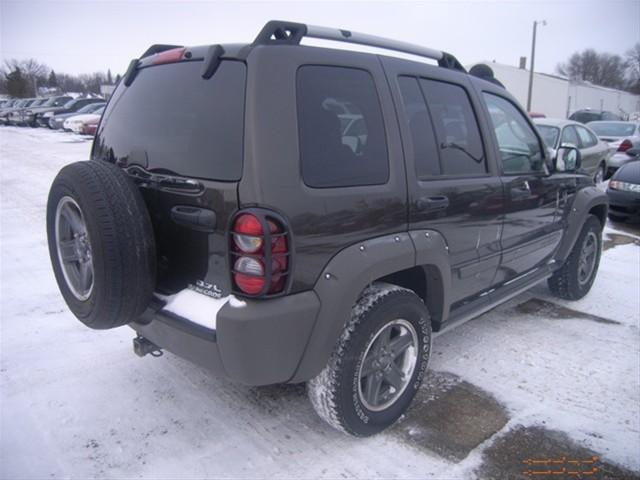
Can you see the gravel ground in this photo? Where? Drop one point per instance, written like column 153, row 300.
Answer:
column 535, row 380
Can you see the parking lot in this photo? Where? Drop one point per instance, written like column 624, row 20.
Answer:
column 535, row 381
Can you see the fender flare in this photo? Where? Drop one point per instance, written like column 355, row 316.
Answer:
column 584, row 200
column 347, row 275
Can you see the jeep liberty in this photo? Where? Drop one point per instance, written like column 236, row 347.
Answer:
column 277, row 212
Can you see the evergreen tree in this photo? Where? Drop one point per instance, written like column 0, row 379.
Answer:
column 109, row 80
column 17, row 84
column 53, row 80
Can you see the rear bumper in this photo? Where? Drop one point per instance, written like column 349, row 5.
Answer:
column 254, row 342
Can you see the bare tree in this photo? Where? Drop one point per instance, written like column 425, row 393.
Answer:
column 32, row 72
column 633, row 68
column 605, row 69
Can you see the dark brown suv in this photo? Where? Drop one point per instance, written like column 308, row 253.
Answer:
column 285, row 213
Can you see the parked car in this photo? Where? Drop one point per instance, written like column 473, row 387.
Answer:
column 624, row 191
column 90, row 128
column 56, row 122
column 15, row 116
column 30, row 115
column 588, row 115
column 4, row 112
column 70, row 107
column 620, row 136
column 23, row 117
column 224, row 218
column 7, row 106
column 594, row 152
column 76, row 123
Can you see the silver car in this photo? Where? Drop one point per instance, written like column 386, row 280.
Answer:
column 620, row 136
column 595, row 153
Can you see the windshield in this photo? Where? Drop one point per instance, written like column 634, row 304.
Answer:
column 50, row 102
column 70, row 103
column 585, row 117
column 613, row 129
column 549, row 134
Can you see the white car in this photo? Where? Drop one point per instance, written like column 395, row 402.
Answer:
column 620, row 136
column 76, row 122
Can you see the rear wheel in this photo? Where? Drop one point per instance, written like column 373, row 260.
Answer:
column 575, row 278
column 378, row 363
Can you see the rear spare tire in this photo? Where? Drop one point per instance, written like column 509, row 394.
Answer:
column 101, row 244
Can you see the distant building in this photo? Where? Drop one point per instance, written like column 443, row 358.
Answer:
column 107, row 90
column 556, row 96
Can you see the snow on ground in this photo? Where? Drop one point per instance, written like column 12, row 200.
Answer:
column 77, row 403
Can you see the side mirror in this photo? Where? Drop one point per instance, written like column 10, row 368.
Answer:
column 568, row 159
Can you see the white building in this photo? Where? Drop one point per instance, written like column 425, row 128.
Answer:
column 555, row 96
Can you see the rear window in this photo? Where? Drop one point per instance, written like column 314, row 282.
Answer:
column 585, row 117
column 613, row 129
column 186, row 125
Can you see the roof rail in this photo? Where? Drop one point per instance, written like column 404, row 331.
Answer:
column 277, row 32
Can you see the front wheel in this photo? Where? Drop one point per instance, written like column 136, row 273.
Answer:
column 378, row 363
column 575, row 278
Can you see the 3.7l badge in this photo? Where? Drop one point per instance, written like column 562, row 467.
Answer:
column 208, row 289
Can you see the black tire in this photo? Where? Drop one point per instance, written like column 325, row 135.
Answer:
column 566, row 282
column 336, row 393
column 121, row 245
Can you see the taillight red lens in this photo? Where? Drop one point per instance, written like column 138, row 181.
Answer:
column 248, row 284
column 624, row 146
column 251, row 249
column 247, row 234
column 248, row 224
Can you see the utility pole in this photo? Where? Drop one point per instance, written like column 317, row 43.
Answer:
column 533, row 59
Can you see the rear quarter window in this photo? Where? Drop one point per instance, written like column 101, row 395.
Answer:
column 186, row 125
column 341, row 130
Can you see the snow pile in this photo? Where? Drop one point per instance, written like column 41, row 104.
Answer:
column 196, row 307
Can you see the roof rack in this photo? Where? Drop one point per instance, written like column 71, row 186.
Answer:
column 277, row 32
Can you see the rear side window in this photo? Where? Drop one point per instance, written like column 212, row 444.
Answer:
column 186, row 125
column 461, row 149
column 425, row 151
column 341, row 130
column 586, row 138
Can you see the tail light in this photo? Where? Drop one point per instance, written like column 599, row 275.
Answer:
column 624, row 146
column 260, row 256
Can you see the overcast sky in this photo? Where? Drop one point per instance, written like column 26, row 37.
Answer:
column 86, row 36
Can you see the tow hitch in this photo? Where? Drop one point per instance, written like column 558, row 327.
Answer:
column 142, row 346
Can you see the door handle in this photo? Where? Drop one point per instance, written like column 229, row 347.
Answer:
column 433, row 203
column 195, row 218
